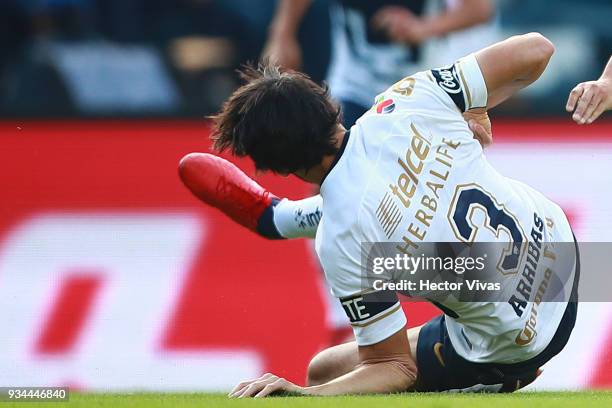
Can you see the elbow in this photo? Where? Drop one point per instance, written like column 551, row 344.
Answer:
column 540, row 47
column 405, row 373
column 537, row 51
column 404, row 383
column 410, row 373
column 320, row 369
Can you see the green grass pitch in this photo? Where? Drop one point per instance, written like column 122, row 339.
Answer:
column 518, row 400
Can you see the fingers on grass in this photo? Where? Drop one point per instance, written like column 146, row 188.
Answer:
column 270, row 388
column 253, row 389
column 257, row 386
column 241, row 388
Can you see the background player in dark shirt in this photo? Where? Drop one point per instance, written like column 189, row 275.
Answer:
column 374, row 42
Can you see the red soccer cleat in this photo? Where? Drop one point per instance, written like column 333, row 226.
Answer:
column 221, row 184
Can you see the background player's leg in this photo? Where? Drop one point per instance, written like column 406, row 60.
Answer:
column 338, row 360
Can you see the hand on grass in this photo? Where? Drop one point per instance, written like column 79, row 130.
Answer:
column 264, row 386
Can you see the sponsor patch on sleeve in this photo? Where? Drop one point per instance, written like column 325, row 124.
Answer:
column 448, row 80
column 384, row 105
column 366, row 307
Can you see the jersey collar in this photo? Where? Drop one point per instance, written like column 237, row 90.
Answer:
column 338, row 155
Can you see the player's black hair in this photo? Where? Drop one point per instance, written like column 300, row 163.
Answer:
column 283, row 120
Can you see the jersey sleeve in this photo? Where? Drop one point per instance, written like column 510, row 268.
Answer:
column 449, row 91
column 463, row 83
column 374, row 316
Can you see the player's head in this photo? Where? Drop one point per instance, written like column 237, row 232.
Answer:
column 283, row 120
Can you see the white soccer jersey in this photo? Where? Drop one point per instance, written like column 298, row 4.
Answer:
column 411, row 173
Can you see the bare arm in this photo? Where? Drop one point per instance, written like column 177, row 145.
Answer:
column 497, row 72
column 385, row 367
column 288, row 16
column 282, row 45
column 588, row 100
column 513, row 64
column 608, row 70
column 468, row 13
column 403, row 26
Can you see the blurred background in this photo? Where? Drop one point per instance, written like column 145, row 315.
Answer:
column 73, row 58
column 114, row 278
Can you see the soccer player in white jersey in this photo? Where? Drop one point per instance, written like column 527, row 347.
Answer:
column 376, row 43
column 412, row 149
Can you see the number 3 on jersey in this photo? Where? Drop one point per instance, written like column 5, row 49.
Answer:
column 471, row 197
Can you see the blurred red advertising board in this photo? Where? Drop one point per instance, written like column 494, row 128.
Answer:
column 112, row 276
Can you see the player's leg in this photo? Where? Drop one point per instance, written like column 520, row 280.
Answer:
column 222, row 185
column 441, row 368
column 338, row 360
column 299, row 218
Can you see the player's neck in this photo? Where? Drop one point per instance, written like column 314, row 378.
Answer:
column 316, row 174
